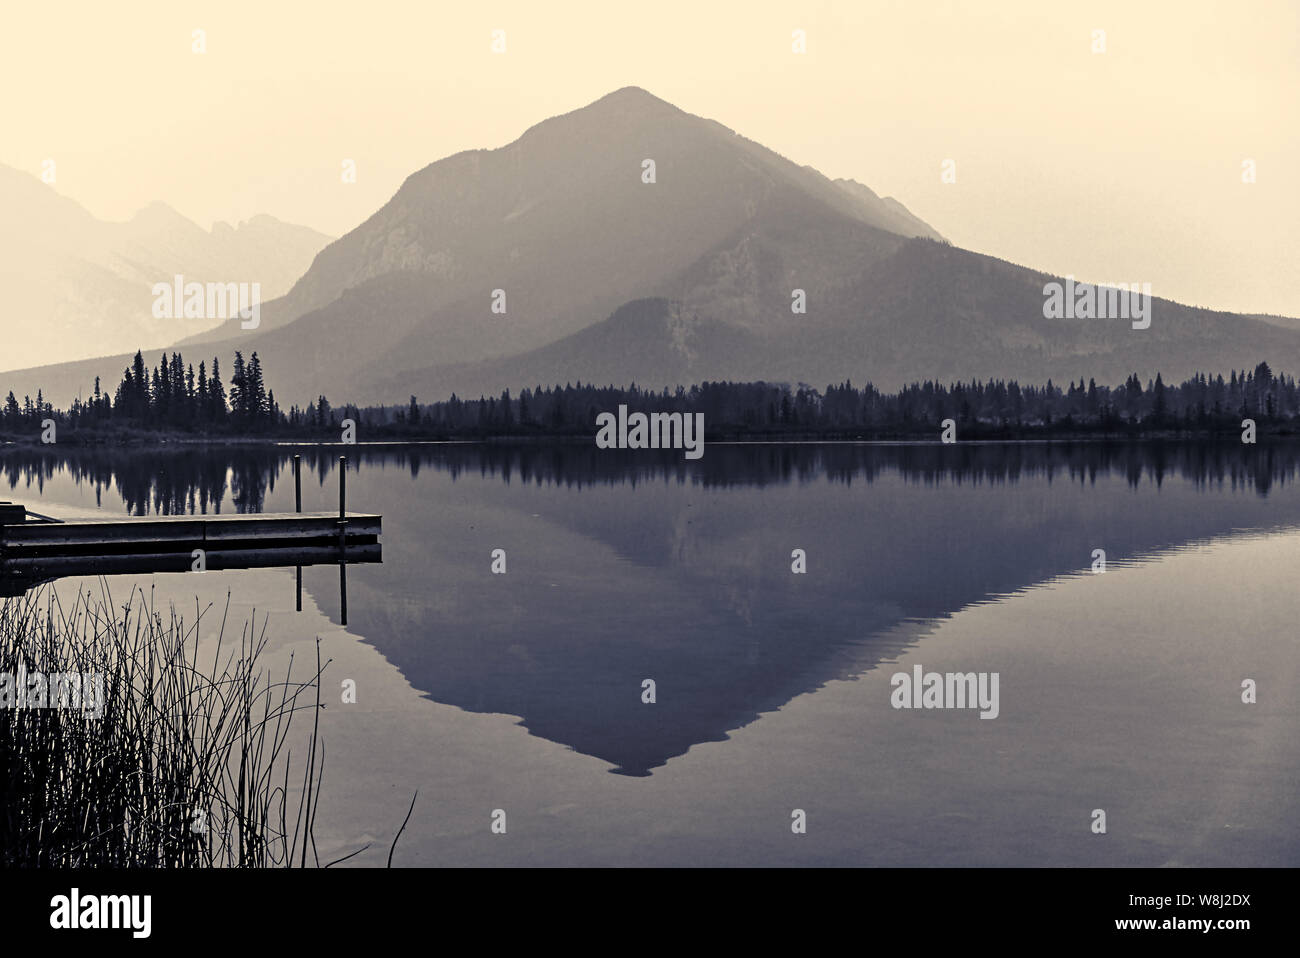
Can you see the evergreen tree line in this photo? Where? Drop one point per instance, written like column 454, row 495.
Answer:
column 1201, row 403
column 174, row 397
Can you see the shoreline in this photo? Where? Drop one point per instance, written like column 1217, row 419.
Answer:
column 723, row 439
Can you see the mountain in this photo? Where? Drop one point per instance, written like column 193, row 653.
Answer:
column 562, row 222
column 929, row 311
column 79, row 287
column 887, row 213
column 609, row 278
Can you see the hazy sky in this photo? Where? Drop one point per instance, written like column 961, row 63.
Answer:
column 1116, row 166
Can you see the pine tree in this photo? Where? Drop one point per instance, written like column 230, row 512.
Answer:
column 216, row 396
column 239, row 391
column 137, row 398
column 256, row 403
column 162, row 392
column 1160, row 405
column 202, row 410
column 177, row 380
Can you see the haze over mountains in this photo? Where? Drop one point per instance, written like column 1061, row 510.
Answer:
column 611, row 279
column 80, row 287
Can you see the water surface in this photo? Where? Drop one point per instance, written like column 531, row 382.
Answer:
column 524, row 691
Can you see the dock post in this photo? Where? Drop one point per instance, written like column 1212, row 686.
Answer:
column 343, row 593
column 343, row 539
column 297, row 504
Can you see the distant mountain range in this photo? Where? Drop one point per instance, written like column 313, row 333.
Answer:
column 608, row 278
column 79, row 287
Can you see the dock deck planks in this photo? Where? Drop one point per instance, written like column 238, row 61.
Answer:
column 166, row 535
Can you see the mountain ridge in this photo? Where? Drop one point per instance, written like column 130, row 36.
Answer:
column 608, row 273
column 83, row 285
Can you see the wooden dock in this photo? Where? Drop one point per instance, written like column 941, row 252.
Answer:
column 34, row 551
column 169, row 542
column 36, row 548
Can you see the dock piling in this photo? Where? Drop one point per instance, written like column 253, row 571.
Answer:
column 343, row 538
column 343, row 593
column 297, row 503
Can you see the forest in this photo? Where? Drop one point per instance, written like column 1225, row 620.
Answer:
column 174, row 400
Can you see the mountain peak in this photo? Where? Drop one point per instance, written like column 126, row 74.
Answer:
column 158, row 214
column 629, row 101
column 631, row 93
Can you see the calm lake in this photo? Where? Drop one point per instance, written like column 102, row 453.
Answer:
column 524, row 691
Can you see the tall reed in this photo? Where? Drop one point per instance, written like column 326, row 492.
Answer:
column 185, row 765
